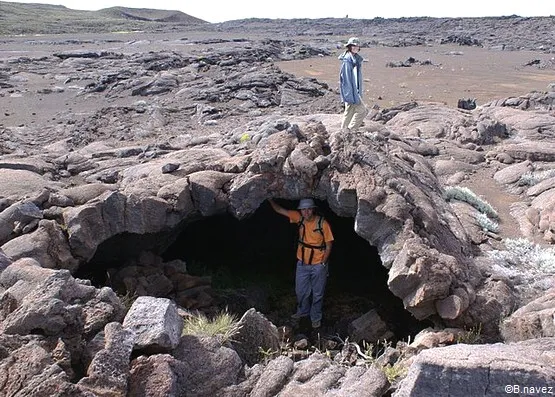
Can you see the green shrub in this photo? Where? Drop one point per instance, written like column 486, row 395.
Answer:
column 223, row 326
column 369, row 353
column 468, row 196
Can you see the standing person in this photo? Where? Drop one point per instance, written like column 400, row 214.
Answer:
column 313, row 251
column 350, row 86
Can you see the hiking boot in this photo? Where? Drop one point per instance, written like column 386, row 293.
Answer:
column 298, row 316
column 316, row 324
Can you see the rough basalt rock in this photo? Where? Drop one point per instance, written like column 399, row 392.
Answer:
column 155, row 323
column 482, row 369
column 41, row 300
column 533, row 320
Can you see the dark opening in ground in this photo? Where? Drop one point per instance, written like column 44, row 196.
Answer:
column 252, row 264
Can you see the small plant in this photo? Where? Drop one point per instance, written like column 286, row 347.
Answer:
column 487, row 224
column 267, row 354
column 534, row 177
column 468, row 196
column 394, row 372
column 245, row 138
column 368, row 349
column 127, row 299
column 223, row 326
column 472, row 336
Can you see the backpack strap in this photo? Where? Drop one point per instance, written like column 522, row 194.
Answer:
column 302, row 237
column 320, row 229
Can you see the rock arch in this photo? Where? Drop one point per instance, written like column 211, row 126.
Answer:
column 382, row 181
column 240, row 264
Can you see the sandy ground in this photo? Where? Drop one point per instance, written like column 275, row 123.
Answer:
column 457, row 72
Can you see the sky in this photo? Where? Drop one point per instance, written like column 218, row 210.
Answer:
column 226, row 10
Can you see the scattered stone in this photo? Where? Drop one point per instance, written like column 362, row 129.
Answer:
column 369, row 327
column 156, row 324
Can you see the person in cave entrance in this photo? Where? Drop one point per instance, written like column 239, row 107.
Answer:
column 313, row 251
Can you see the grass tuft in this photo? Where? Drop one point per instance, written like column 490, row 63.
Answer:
column 393, row 372
column 223, row 326
column 471, row 336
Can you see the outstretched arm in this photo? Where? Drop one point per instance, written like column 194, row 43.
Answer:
column 278, row 208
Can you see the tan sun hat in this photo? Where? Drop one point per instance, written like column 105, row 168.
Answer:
column 353, row 41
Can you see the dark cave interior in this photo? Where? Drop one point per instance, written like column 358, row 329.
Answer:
column 256, row 255
column 252, row 264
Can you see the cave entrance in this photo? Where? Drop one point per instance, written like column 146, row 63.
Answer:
column 252, row 264
column 224, row 262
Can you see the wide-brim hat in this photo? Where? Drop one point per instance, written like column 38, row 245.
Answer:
column 353, row 41
column 306, row 203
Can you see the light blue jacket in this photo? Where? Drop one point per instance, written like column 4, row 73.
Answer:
column 349, row 90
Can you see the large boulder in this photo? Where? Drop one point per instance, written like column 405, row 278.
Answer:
column 159, row 375
column 369, row 327
column 256, row 334
column 20, row 214
column 210, row 366
column 32, row 365
column 21, row 182
column 533, row 320
column 480, row 370
column 47, row 245
column 52, row 302
column 113, row 213
column 4, row 260
column 319, row 376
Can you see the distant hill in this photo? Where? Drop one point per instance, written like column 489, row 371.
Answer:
column 146, row 14
column 23, row 18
